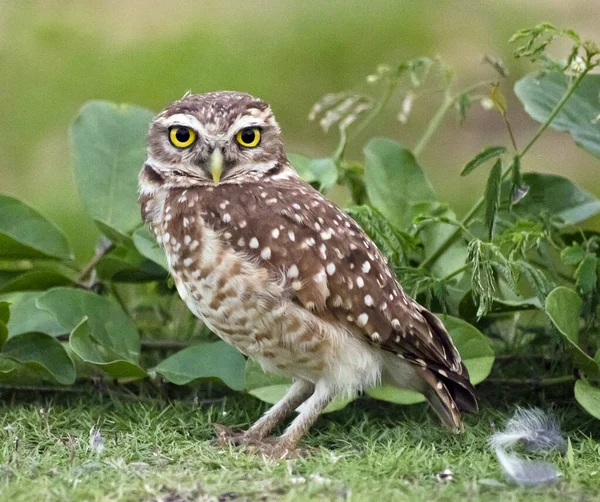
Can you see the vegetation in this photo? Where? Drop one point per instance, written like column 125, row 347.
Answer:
column 516, row 278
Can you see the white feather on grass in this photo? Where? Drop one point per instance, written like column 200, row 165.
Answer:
column 526, row 472
column 538, row 432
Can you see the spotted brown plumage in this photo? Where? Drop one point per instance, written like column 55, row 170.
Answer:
column 281, row 273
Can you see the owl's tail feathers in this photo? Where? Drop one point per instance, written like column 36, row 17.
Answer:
column 447, row 397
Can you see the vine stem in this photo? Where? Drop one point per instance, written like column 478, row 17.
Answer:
column 391, row 87
column 448, row 102
column 435, row 122
column 480, row 202
column 100, row 253
column 539, row 382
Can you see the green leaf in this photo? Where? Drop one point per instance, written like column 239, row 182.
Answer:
column 301, row 164
column 42, row 353
column 473, row 347
column 586, row 275
column 27, row 317
column 89, row 350
column 325, row 172
column 395, row 395
column 25, row 233
column 588, row 396
column 491, row 152
column 492, row 197
column 540, row 93
column 109, row 325
column 4, row 317
column 572, row 255
column 555, row 195
column 148, row 247
column 321, row 171
column 563, row 307
column 475, row 352
column 109, row 147
column 205, row 360
column 394, row 181
column 128, row 265
column 37, row 279
column 4, row 312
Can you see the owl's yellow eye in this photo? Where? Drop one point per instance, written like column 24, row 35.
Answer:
column 182, row 137
column 248, row 137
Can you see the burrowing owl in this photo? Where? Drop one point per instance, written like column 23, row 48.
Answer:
column 282, row 274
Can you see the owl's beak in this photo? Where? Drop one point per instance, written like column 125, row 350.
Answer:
column 216, row 165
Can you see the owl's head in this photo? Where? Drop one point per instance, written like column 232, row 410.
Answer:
column 215, row 137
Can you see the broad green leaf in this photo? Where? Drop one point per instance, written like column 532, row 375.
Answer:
column 4, row 317
column 146, row 244
column 492, row 197
column 256, row 377
column 586, row 274
column 588, row 396
column 109, row 325
column 321, row 171
column 89, row 350
column 4, row 312
column 25, row 233
column 572, row 255
column 555, row 195
column 37, row 279
column 325, row 172
column 41, row 353
column 270, row 388
column 270, row 393
column 394, row 181
column 563, row 307
column 475, row 352
column 205, row 360
column 540, row 93
column 27, row 317
column 128, row 265
column 473, row 347
column 301, row 164
column 109, row 147
column 393, row 394
column 491, row 152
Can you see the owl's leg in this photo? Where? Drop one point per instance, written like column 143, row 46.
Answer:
column 309, row 411
column 296, row 395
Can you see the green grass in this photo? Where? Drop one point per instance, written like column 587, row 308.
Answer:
column 163, row 452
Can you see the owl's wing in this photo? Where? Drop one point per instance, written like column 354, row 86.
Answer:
column 333, row 268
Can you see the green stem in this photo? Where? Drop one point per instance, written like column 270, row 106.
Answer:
column 435, row 122
column 456, row 272
column 391, row 87
column 481, row 201
column 534, row 382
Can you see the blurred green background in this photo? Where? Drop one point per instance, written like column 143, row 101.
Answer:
column 54, row 56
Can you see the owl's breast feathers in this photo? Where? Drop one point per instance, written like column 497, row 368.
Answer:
column 329, row 266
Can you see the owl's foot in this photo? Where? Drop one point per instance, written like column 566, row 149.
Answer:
column 272, row 448
column 275, row 449
column 227, row 436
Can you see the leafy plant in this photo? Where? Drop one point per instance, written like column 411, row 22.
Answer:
column 516, row 276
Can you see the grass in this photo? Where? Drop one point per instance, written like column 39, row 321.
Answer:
column 163, row 453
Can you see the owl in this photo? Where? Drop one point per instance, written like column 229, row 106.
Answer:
column 281, row 273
